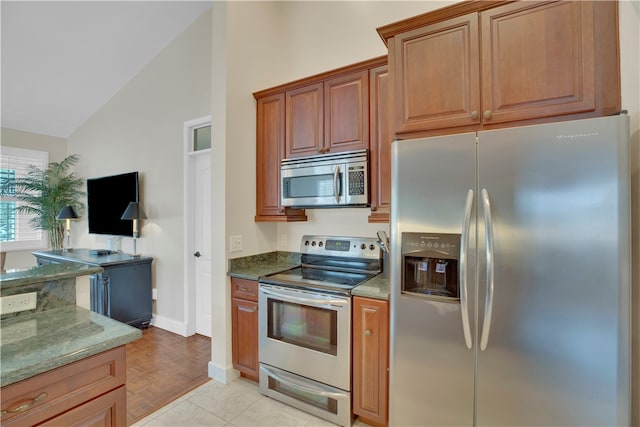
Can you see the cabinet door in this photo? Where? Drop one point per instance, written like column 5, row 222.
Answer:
column 381, row 138
column 346, row 112
column 537, row 60
column 305, row 121
column 370, row 359
column 108, row 410
column 244, row 325
column 270, row 149
column 437, row 75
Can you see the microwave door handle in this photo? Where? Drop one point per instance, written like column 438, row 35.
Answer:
column 336, row 184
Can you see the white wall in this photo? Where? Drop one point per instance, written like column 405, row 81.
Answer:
column 57, row 148
column 140, row 129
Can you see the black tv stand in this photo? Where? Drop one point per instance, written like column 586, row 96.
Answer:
column 122, row 291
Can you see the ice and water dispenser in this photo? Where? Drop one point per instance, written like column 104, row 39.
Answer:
column 430, row 265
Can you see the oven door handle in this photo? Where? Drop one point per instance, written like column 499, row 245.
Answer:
column 318, row 302
column 291, row 382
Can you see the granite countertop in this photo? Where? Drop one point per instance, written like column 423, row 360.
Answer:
column 41, row 341
column 376, row 287
column 254, row 266
column 20, row 277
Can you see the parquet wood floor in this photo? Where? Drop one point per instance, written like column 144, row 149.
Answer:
column 162, row 366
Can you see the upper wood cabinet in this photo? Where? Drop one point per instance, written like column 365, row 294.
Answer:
column 346, row 112
column 482, row 65
column 269, row 151
column 380, row 144
column 329, row 116
column 305, row 120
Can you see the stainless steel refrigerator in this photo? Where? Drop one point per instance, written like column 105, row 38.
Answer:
column 510, row 279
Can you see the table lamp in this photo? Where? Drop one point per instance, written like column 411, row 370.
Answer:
column 67, row 213
column 135, row 213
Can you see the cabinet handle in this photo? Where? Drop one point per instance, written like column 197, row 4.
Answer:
column 248, row 310
column 245, row 289
column 281, row 210
column 487, row 114
column 374, row 207
column 25, row 406
column 474, row 115
column 367, row 332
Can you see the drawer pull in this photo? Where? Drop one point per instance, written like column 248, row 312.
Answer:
column 244, row 289
column 25, row 406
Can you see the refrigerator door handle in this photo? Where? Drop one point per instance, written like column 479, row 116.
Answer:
column 464, row 250
column 488, row 302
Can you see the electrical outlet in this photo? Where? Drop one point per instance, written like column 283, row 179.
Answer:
column 236, row 243
column 18, row 302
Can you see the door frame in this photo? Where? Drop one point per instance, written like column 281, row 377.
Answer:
column 188, row 223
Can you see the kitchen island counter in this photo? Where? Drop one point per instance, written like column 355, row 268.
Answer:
column 35, row 343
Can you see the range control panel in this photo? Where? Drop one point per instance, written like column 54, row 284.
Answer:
column 351, row 247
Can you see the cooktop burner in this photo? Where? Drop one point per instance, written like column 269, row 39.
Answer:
column 331, row 264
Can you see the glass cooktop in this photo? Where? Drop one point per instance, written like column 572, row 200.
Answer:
column 318, row 279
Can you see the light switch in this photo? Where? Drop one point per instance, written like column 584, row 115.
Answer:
column 236, row 243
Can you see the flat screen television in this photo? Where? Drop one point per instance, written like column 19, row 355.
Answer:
column 107, row 199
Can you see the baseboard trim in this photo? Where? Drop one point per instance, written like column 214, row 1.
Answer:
column 221, row 374
column 170, row 325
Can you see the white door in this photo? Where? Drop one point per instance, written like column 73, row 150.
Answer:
column 197, row 230
column 202, row 243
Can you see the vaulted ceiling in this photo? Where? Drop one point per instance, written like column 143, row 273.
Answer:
column 63, row 60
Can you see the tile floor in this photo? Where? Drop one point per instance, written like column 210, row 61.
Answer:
column 238, row 404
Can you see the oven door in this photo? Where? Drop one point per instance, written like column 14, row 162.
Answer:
column 306, row 333
column 312, row 186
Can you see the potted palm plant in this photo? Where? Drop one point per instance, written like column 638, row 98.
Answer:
column 44, row 192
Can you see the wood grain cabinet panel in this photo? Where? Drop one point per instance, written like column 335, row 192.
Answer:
column 270, row 140
column 71, row 393
column 244, row 327
column 371, row 360
column 346, row 112
column 537, row 60
column 380, row 144
column 304, row 120
column 437, row 82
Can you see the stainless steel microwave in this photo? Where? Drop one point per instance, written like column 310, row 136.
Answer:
column 326, row 180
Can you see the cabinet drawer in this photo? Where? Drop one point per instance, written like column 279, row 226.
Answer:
column 56, row 391
column 244, row 289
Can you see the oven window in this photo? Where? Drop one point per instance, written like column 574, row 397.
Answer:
column 302, row 325
column 325, row 403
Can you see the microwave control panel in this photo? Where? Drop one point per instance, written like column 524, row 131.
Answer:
column 356, row 181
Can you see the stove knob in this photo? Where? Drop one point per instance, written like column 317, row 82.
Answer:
column 313, row 243
column 372, row 246
column 320, row 244
column 363, row 246
column 306, row 243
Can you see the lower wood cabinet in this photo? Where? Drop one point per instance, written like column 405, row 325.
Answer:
column 371, row 360
column 244, row 327
column 90, row 391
